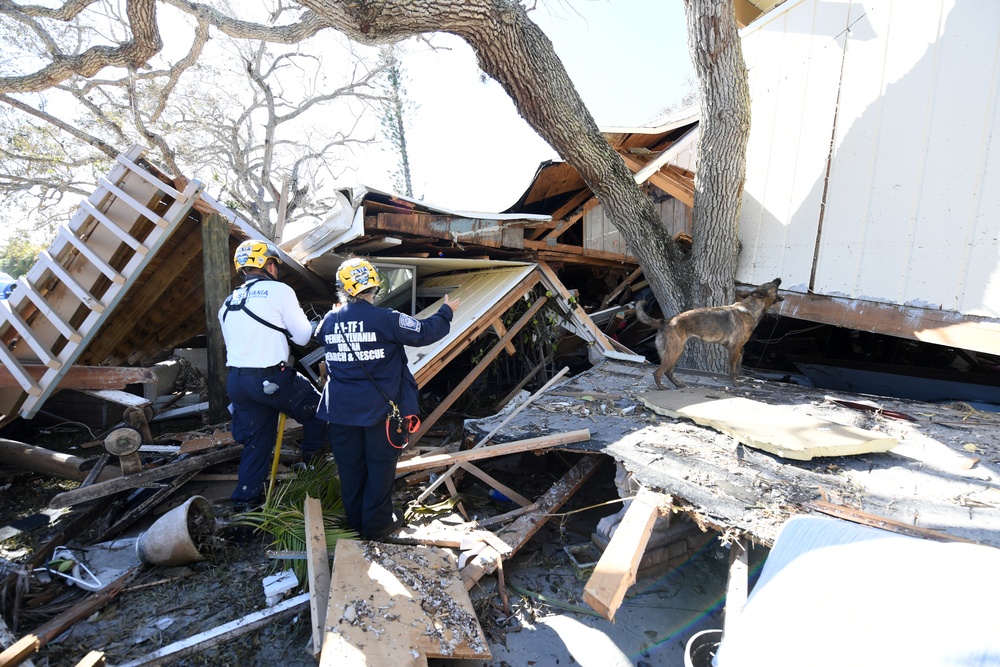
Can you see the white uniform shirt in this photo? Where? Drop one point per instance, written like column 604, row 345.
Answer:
column 250, row 344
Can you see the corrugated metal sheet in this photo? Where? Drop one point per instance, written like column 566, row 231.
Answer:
column 869, row 170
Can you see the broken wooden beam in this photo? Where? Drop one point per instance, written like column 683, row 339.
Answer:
column 170, row 653
column 518, row 533
column 48, row 631
column 318, row 567
column 738, row 586
column 528, row 445
column 483, row 364
column 40, row 459
column 617, row 567
column 875, row 521
column 144, row 478
column 85, row 377
column 436, row 483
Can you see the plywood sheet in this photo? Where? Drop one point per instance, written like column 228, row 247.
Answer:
column 398, row 605
column 777, row 429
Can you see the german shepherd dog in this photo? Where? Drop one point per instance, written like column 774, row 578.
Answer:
column 730, row 326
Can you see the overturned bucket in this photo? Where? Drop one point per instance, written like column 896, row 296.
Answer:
column 174, row 538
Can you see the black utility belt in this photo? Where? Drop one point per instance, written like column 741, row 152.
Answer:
column 259, row 372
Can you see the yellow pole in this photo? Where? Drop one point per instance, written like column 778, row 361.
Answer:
column 277, row 454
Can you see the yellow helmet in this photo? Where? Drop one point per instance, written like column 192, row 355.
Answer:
column 253, row 254
column 357, row 275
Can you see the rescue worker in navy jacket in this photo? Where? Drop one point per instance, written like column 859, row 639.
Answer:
column 258, row 319
column 359, row 336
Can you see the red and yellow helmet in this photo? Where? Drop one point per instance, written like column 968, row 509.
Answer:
column 357, row 275
column 253, row 254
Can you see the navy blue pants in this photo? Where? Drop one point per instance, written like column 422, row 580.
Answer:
column 255, row 424
column 366, row 463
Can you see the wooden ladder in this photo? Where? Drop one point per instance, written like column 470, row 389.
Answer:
column 74, row 285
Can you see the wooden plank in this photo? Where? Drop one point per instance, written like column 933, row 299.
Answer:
column 101, row 489
column 318, row 567
column 27, row 290
column 133, row 203
column 171, row 653
column 496, row 484
column 126, row 238
column 613, row 294
column 216, row 272
column 777, row 429
column 81, row 247
column 85, row 377
column 489, row 435
column 92, row 659
column 595, row 334
column 459, row 345
column 501, row 331
column 149, row 178
column 13, row 366
column 30, row 337
column 528, row 445
column 19, row 651
column 393, row 604
column 518, row 533
column 738, row 586
column 875, row 521
column 618, row 565
column 81, row 293
column 217, row 439
column 483, row 364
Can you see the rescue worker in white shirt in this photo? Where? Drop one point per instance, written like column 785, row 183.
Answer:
column 258, row 319
column 366, row 368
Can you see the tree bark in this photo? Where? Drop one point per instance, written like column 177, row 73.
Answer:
column 724, row 127
column 520, row 57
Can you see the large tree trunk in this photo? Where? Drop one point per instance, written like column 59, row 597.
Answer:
column 717, row 55
column 515, row 52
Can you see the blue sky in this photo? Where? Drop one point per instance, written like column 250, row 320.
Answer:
column 470, row 150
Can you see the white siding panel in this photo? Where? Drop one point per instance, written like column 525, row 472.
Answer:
column 911, row 214
column 908, row 94
column 852, row 172
column 956, row 210
column 786, row 162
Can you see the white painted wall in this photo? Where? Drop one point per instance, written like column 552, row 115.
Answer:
column 907, row 92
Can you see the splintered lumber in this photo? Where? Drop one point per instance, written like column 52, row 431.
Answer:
column 40, row 459
column 777, row 429
column 172, row 652
column 144, row 478
column 738, row 586
column 92, row 659
column 318, row 567
column 875, row 521
column 85, row 377
column 483, row 364
column 436, row 483
column 7, row 640
column 217, row 439
column 531, row 444
column 397, row 605
column 616, row 570
column 518, row 533
column 48, row 631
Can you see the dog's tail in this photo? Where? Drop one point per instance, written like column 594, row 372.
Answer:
column 642, row 316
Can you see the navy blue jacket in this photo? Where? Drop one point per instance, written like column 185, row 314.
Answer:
column 376, row 336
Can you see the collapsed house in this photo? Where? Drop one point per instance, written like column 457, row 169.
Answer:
column 135, row 273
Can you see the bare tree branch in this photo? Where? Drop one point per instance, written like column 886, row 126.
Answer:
column 308, row 24
column 67, row 12
column 97, row 143
column 145, row 43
